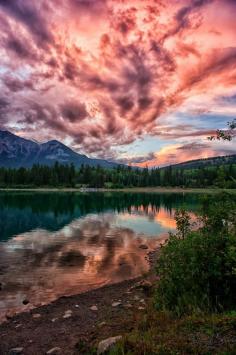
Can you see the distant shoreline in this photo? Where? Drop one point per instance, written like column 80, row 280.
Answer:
column 128, row 189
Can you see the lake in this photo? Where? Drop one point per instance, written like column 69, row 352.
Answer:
column 62, row 243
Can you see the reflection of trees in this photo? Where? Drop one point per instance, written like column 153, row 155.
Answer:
column 23, row 211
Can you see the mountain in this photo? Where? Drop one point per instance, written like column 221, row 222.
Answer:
column 206, row 163
column 20, row 152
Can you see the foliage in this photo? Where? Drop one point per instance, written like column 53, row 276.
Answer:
column 60, row 175
column 39, row 175
column 198, row 272
column 182, row 222
column 160, row 333
column 193, row 308
column 225, row 135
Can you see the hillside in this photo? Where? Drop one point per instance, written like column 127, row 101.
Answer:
column 18, row 152
column 201, row 163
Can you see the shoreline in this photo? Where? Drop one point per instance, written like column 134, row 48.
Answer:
column 128, row 189
column 81, row 320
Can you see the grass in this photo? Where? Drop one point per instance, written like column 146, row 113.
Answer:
column 162, row 333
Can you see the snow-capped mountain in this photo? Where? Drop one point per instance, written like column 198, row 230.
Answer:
column 19, row 152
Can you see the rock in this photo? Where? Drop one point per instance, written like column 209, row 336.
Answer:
column 116, row 304
column 55, row 350
column 143, row 246
column 76, row 306
column 102, row 324
column 128, row 305
column 94, row 308
column 16, row 351
column 107, row 344
column 54, row 319
column 141, row 308
column 68, row 311
column 144, row 284
column 36, row 315
column 18, row 326
column 25, row 301
column 67, row 314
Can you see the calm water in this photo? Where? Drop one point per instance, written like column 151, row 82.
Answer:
column 55, row 244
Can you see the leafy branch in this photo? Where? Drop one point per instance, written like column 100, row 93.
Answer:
column 225, row 135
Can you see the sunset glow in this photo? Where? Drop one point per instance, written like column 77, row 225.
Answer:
column 142, row 82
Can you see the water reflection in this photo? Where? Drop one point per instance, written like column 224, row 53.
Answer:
column 87, row 253
column 62, row 244
column 21, row 211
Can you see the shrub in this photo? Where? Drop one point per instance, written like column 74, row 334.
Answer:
column 198, row 271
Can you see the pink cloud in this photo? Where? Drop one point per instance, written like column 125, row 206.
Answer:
column 104, row 73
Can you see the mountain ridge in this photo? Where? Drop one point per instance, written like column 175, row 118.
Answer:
column 211, row 161
column 16, row 151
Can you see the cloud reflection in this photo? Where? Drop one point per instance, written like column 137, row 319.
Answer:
column 86, row 254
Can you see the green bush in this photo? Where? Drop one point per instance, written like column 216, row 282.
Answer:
column 197, row 269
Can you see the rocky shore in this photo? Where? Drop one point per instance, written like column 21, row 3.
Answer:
column 82, row 324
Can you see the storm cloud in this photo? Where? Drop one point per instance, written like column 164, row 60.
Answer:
column 105, row 74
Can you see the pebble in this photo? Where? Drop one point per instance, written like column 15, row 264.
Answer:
column 128, row 305
column 76, row 306
column 18, row 326
column 116, row 304
column 36, row 315
column 94, row 308
column 141, row 308
column 54, row 319
column 107, row 344
column 55, row 350
column 67, row 314
column 16, row 351
column 102, row 324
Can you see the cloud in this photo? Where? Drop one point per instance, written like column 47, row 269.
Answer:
column 194, row 146
column 74, row 111
column 15, row 84
column 27, row 13
column 135, row 160
column 231, row 99
column 176, row 153
column 103, row 74
column 3, row 103
column 21, row 49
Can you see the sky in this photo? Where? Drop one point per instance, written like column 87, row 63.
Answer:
column 142, row 82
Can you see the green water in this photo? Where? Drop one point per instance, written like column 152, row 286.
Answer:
column 22, row 212
column 55, row 244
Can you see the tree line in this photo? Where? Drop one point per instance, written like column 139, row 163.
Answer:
column 60, row 175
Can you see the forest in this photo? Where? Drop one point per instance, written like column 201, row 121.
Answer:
column 59, row 175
